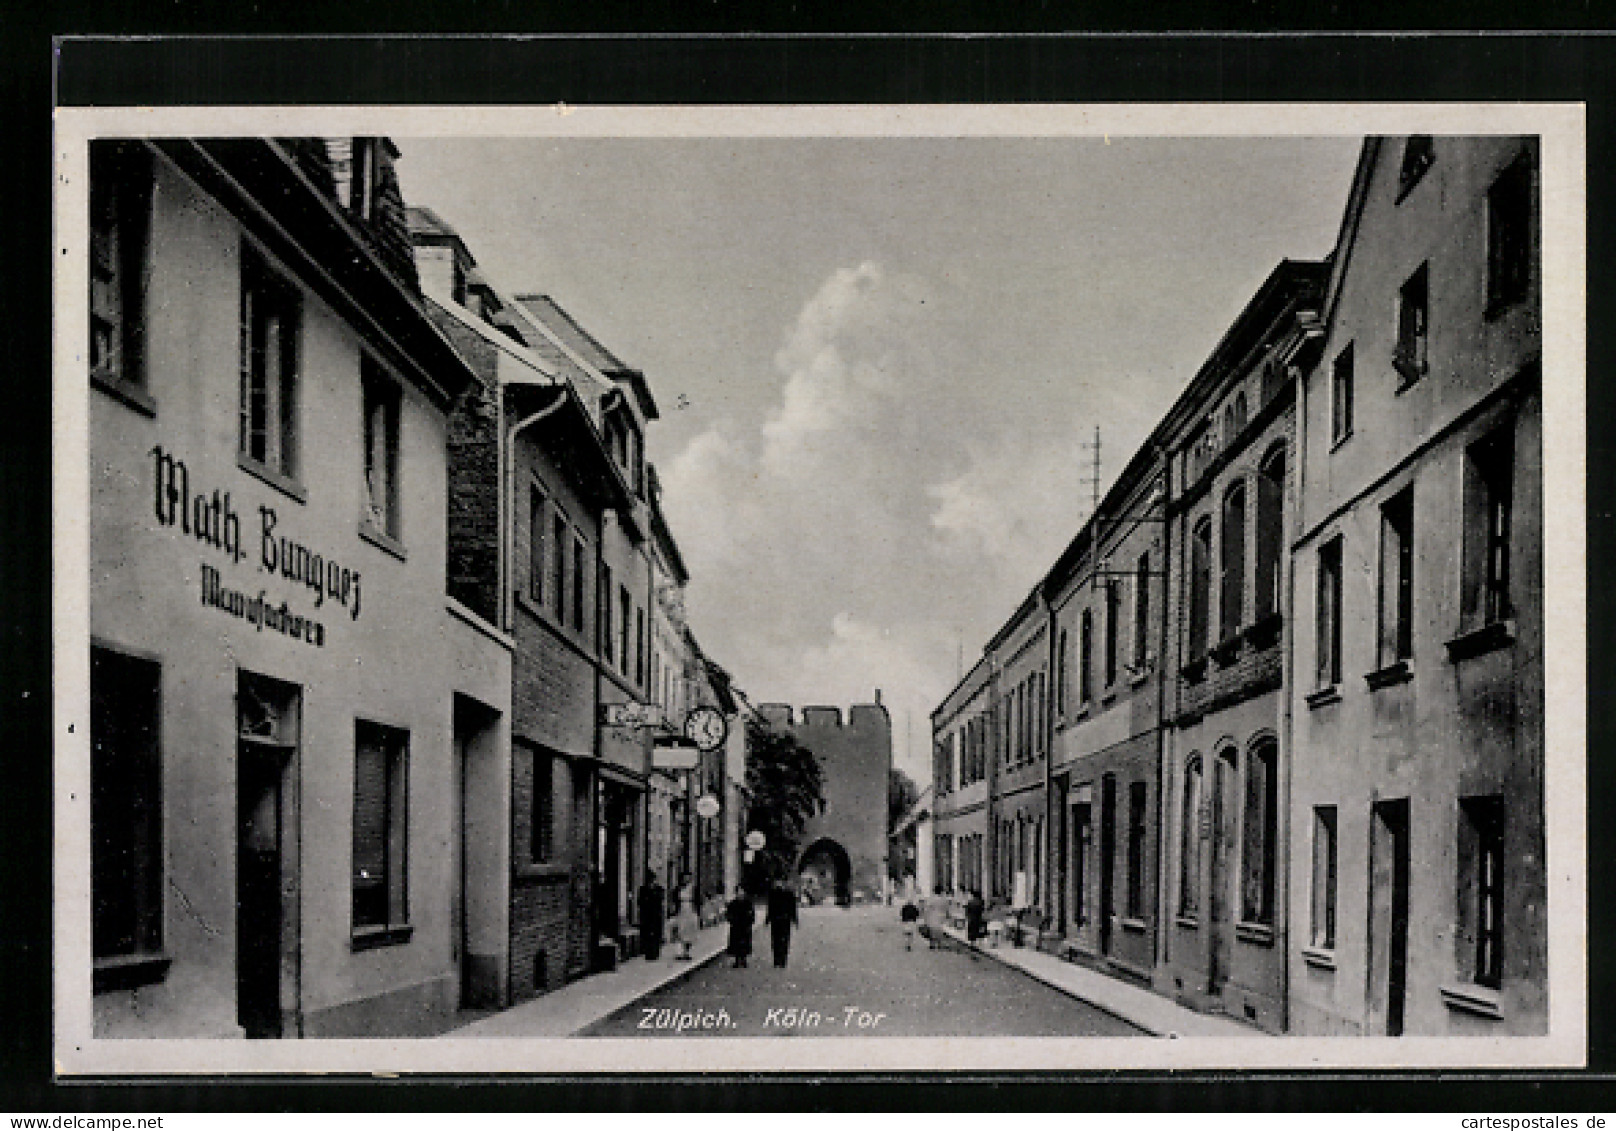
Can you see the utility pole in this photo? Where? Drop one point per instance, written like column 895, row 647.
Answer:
column 1093, row 478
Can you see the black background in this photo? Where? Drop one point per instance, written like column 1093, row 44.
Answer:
column 785, row 56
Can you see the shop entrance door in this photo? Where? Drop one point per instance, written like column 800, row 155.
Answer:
column 267, row 973
column 1220, row 895
column 1388, row 910
column 1108, row 857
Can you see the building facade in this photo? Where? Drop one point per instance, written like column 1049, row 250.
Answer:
column 964, row 764
column 1230, row 445
column 1417, row 698
column 1019, row 657
column 296, row 741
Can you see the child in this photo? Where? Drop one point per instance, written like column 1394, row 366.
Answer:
column 910, row 916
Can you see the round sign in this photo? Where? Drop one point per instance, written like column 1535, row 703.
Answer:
column 707, row 806
column 748, row 856
column 756, row 840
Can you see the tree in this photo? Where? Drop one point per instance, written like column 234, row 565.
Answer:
column 902, row 793
column 787, row 791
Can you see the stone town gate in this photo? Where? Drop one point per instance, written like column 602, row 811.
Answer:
column 855, row 756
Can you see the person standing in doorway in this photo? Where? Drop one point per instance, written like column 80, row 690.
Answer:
column 781, row 918
column 686, row 918
column 652, row 899
column 741, row 916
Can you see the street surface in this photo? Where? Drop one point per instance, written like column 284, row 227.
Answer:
column 849, row 975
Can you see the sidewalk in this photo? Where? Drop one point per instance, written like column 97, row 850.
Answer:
column 1155, row 1014
column 573, row 1007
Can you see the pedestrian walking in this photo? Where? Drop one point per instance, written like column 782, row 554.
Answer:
column 782, row 917
column 652, row 900
column 684, row 923
column 936, row 917
column 741, row 915
column 910, row 916
column 975, row 912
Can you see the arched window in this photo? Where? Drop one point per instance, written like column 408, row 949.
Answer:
column 1200, row 587
column 1189, row 834
column 1237, row 414
column 1260, row 829
column 1270, row 532
column 1232, row 589
column 1085, row 657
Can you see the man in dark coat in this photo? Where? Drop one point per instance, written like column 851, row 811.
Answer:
column 741, row 915
column 974, row 913
column 651, row 914
column 781, row 918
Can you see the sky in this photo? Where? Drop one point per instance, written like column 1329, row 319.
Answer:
column 880, row 362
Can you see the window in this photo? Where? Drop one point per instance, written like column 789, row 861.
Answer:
column 354, row 173
column 639, row 646
column 380, row 826
column 269, row 339
column 1042, row 708
column 1328, row 646
column 1509, row 235
column 1085, row 657
column 120, row 232
column 626, row 628
column 1189, row 852
column 126, row 806
column 1234, row 418
column 381, row 406
column 1418, row 154
column 535, row 545
column 1413, row 326
column 1141, row 612
column 1324, row 852
column 1200, row 587
column 1060, row 674
column 1481, row 889
column 1136, row 850
column 558, row 566
column 1232, row 590
column 606, row 591
column 541, row 817
column 1261, row 829
column 1113, row 613
column 1270, row 533
column 1397, row 577
column 1488, row 501
column 1341, row 396
column 579, row 582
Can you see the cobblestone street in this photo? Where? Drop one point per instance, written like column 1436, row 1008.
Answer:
column 849, row 975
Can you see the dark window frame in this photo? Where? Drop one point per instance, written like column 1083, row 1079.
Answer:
column 127, row 859
column 392, row 744
column 122, row 194
column 1325, row 880
column 268, row 435
column 1411, row 354
column 1327, row 637
column 1341, row 395
column 1396, row 620
column 381, row 399
column 1511, row 237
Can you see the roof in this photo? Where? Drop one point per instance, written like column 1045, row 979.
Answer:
column 588, row 347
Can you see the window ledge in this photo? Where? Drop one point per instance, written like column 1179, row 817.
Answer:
column 379, row 538
column 548, row 870
column 1496, row 307
column 1260, row 933
column 1487, row 638
column 285, row 484
column 1137, row 926
column 1389, row 675
column 1471, row 998
column 1227, row 650
column 1109, row 696
column 1339, row 440
column 1264, row 631
column 1188, row 922
column 1408, row 372
column 126, row 971
column 128, row 392
column 1324, row 696
column 1081, row 713
column 1140, row 674
column 372, row 938
column 1318, row 957
column 1195, row 670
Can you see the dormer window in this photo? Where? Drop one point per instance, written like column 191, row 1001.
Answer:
column 355, row 175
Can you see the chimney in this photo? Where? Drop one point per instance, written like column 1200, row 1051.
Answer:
column 877, row 696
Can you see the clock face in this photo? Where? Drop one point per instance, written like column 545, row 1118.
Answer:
column 706, row 727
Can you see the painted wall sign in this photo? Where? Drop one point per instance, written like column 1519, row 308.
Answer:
column 259, row 611
column 212, row 519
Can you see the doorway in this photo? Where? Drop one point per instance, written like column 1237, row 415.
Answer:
column 1082, row 846
column 1388, row 916
column 1221, row 878
column 267, row 973
column 1108, row 858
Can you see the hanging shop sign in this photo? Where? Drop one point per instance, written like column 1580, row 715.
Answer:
column 211, row 518
column 672, row 752
column 756, row 840
column 630, row 714
column 707, row 806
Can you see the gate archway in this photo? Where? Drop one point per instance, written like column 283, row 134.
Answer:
column 825, row 872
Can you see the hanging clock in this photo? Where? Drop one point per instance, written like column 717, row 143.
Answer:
column 707, row 728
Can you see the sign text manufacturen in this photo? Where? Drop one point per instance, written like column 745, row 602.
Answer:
column 211, row 519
